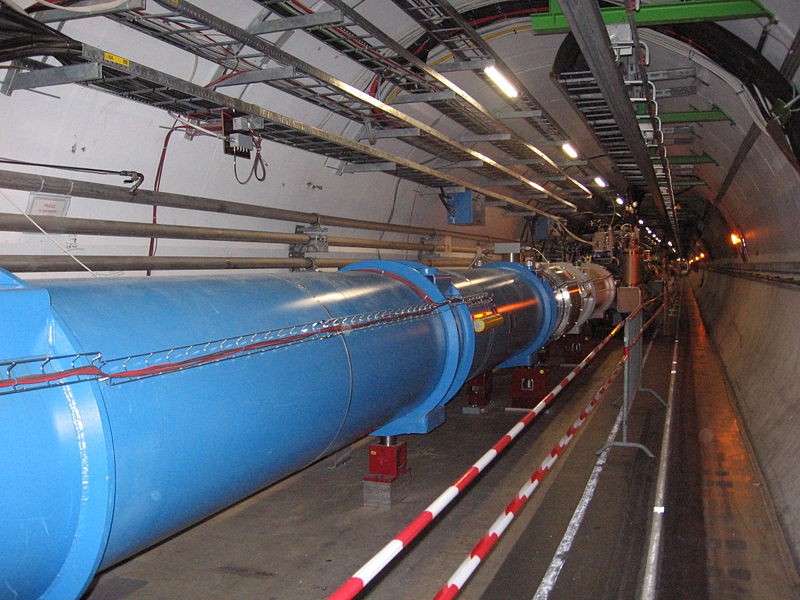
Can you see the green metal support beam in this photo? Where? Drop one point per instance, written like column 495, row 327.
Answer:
column 690, row 159
column 694, row 116
column 687, row 182
column 691, row 11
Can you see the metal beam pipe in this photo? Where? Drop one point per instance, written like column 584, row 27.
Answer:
column 99, row 191
column 9, row 222
column 213, row 388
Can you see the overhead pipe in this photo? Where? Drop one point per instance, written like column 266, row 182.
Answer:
column 99, row 191
column 55, row 263
column 132, row 408
column 10, row 222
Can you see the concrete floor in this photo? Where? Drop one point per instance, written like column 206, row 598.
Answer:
column 724, row 532
column 303, row 537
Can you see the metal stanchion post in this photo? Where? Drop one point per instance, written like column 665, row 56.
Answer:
column 632, row 378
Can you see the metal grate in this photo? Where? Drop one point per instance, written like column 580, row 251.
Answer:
column 583, row 90
column 363, row 42
column 448, row 27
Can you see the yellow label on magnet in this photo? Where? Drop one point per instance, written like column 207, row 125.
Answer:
column 116, row 59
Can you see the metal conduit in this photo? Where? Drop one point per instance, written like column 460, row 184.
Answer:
column 100, row 191
column 27, row 263
column 9, row 222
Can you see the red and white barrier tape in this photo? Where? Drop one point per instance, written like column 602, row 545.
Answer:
column 479, row 552
column 378, row 562
column 457, row 580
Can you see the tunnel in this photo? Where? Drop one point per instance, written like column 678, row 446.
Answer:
column 243, row 240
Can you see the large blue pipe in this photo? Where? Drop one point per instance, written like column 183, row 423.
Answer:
column 101, row 458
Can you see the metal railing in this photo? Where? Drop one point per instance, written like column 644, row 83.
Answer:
column 632, row 379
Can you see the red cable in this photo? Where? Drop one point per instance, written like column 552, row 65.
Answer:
column 418, row 290
column 220, row 355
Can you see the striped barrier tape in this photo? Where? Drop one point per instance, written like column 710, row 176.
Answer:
column 353, row 586
column 479, row 552
column 457, row 580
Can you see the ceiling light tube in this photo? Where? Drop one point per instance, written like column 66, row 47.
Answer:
column 500, row 81
column 620, row 200
column 600, row 182
column 569, row 150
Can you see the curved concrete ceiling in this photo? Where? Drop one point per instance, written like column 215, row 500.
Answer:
column 746, row 206
column 732, row 181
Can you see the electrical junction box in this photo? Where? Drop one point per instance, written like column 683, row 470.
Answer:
column 602, row 244
column 628, row 299
column 542, row 228
column 466, row 208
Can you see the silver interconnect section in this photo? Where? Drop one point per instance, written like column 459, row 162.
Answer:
column 581, row 293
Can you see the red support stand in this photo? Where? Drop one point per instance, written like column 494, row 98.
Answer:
column 576, row 346
column 385, row 484
column 386, row 462
column 479, row 389
column 528, row 386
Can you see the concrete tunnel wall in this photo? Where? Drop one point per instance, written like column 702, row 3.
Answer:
column 758, row 347
column 754, row 325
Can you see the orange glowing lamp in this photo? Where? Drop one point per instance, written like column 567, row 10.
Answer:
column 735, row 239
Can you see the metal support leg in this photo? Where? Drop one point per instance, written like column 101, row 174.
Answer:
column 632, row 377
column 652, row 391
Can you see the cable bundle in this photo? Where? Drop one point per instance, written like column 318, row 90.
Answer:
column 23, row 37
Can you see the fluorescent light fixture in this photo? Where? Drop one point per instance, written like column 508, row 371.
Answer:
column 600, row 182
column 569, row 150
column 500, row 81
column 620, row 200
column 641, row 221
column 536, row 186
column 669, row 243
